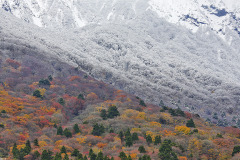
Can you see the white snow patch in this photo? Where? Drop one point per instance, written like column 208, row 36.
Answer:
column 79, row 21
column 37, row 21
column 109, row 16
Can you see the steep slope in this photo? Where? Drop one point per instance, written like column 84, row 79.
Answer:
column 149, row 57
column 51, row 110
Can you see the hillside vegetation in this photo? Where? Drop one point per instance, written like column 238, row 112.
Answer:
column 50, row 110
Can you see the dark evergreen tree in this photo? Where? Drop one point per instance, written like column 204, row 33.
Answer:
column 172, row 112
column 111, row 131
column 135, row 137
column 162, row 120
column 149, row 139
column 85, row 158
column 2, row 125
column 236, row 149
column 161, row 104
column 142, row 103
column 80, row 156
column 129, row 141
column 106, row 158
column 113, row 112
column 121, row 136
column 190, row 123
column 61, row 101
column 93, row 156
column 66, row 157
column 215, row 116
column 58, row 156
column 36, row 142
column 98, row 130
column 141, row 149
column 15, row 151
column 46, row 155
column 50, row 78
column 146, row 157
column 157, row 140
column 104, row 114
column 165, row 151
column 81, row 96
column 27, row 148
column 21, row 155
column 100, row 156
column 90, row 152
column 128, row 133
column 219, row 135
column 75, row 153
column 44, row 82
column 179, row 112
column 129, row 157
column 37, row 94
column 76, row 128
column 67, row 133
column 36, row 154
column 123, row 156
column 63, row 150
column 60, row 131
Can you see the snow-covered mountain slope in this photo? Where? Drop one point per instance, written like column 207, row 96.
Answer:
column 73, row 13
column 216, row 14
column 147, row 56
column 219, row 15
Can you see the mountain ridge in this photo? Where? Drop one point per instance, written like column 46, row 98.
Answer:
column 219, row 15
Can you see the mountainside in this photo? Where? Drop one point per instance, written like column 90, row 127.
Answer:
column 148, row 57
column 50, row 110
column 219, row 15
column 177, row 84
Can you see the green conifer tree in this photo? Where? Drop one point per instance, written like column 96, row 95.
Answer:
column 165, row 151
column 135, row 137
column 67, row 133
column 149, row 139
column 63, row 150
column 157, row 140
column 104, row 114
column 76, row 128
column 141, row 149
column 36, row 142
column 113, row 112
column 190, row 123
column 60, row 131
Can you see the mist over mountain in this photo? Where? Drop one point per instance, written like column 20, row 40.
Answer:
column 185, row 53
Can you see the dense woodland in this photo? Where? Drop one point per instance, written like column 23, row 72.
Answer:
column 54, row 111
